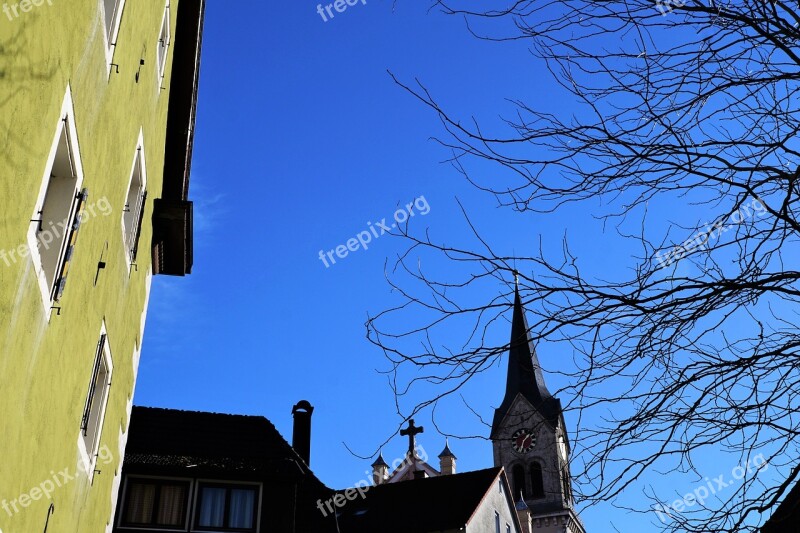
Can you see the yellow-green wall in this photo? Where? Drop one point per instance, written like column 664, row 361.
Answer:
column 45, row 366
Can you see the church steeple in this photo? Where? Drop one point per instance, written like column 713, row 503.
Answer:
column 529, row 437
column 524, row 371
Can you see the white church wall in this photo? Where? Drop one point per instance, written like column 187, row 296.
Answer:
column 495, row 501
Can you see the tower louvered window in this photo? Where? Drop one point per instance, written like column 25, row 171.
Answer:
column 537, row 481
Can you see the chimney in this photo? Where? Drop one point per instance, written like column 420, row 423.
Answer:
column 301, row 435
column 447, row 461
column 380, row 470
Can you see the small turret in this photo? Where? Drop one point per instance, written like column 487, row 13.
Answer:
column 447, row 461
column 380, row 470
column 524, row 514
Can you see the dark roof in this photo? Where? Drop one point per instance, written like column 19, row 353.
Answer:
column 525, row 373
column 169, row 442
column 173, row 226
column 210, row 441
column 418, row 505
column 786, row 517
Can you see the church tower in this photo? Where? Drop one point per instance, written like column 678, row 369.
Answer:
column 529, row 437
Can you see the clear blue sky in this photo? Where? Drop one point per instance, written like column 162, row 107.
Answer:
column 302, row 139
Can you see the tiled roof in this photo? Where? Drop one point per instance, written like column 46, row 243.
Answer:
column 171, row 442
column 212, row 441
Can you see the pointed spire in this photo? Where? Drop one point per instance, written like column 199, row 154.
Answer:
column 446, row 452
column 380, row 460
column 521, row 505
column 524, row 371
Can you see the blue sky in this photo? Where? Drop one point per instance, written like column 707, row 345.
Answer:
column 303, row 140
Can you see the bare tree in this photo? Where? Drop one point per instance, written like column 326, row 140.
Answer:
column 694, row 344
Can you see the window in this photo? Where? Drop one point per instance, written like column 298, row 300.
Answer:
column 163, row 46
column 226, row 507
column 112, row 13
column 56, row 218
column 519, row 482
column 496, row 522
column 537, row 481
column 96, row 399
column 133, row 211
column 155, row 503
column 112, row 17
column 508, row 528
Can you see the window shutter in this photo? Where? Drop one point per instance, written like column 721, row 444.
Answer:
column 61, row 280
column 87, row 409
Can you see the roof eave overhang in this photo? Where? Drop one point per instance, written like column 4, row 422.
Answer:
column 172, row 234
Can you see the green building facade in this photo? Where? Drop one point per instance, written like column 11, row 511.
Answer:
column 97, row 107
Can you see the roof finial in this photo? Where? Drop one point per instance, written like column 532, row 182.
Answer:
column 516, row 279
column 380, row 460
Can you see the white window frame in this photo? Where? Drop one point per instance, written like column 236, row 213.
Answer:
column 138, row 157
column 161, row 65
column 190, row 495
column 89, row 455
column 110, row 35
column 230, row 483
column 66, row 125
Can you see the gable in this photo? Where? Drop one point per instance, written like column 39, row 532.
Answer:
column 495, row 500
column 405, row 471
column 522, row 413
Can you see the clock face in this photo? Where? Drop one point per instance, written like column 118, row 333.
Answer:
column 523, row 440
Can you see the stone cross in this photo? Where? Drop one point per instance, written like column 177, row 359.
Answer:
column 412, row 431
